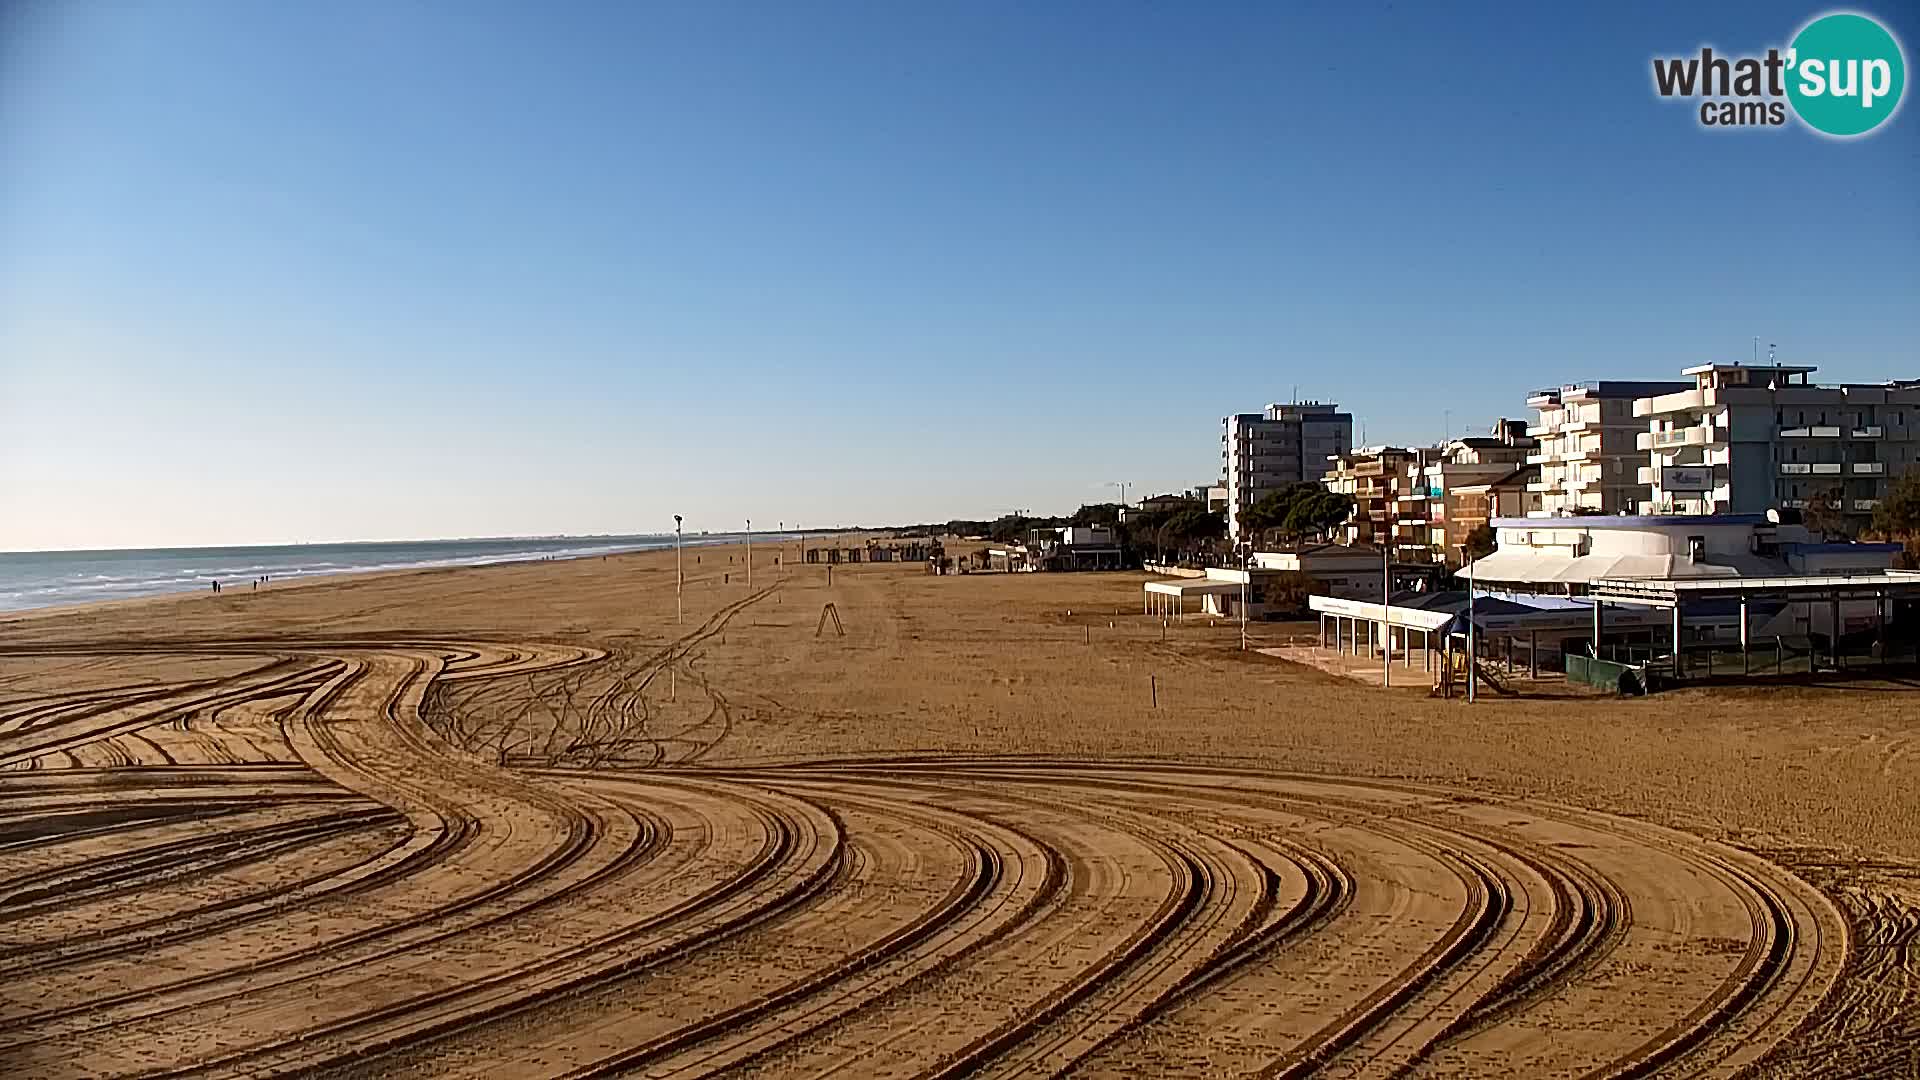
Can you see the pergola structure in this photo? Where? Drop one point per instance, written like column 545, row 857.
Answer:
column 1880, row 587
column 1169, row 598
column 1383, row 625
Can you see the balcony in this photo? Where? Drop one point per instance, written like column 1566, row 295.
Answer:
column 1794, row 504
column 1647, row 475
column 1866, row 505
column 1869, row 468
column 1819, row 432
column 1691, row 435
column 1539, row 459
column 1795, row 468
column 1874, row 432
column 1701, row 398
column 1826, row 468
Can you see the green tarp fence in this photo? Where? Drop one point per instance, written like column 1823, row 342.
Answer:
column 1606, row 674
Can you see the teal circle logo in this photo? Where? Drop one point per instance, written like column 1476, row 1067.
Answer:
column 1845, row 74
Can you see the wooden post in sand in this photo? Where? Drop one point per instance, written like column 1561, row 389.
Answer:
column 1153, row 687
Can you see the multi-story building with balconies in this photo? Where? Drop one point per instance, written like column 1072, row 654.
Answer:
column 1588, row 455
column 1375, row 477
column 1744, row 440
column 1271, row 451
column 1429, row 526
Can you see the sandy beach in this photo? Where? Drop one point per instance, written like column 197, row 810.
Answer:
column 521, row 821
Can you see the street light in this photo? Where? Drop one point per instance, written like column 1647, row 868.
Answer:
column 749, row 553
column 679, row 574
column 1386, row 611
column 1246, row 575
column 1470, row 642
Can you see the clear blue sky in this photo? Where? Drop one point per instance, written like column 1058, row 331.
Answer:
column 275, row 272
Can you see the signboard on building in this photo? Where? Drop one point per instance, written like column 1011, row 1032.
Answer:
column 1686, row 478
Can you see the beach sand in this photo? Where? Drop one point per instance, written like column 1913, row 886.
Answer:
column 518, row 820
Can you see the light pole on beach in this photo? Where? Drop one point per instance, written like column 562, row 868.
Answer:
column 1470, row 641
column 1246, row 576
column 1386, row 610
column 749, row 553
column 679, row 575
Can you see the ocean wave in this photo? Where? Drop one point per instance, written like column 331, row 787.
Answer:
column 176, row 572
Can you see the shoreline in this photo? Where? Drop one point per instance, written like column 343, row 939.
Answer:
column 10, row 615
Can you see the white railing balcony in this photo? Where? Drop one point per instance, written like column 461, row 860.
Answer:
column 1874, row 432
column 1794, row 504
column 1539, row 459
column 1691, row 435
column 1700, row 398
column 1647, row 475
column 1866, row 504
column 1824, row 431
column 1869, row 468
column 1826, row 468
column 1795, row 468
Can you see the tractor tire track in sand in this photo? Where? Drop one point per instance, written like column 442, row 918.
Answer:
column 375, row 894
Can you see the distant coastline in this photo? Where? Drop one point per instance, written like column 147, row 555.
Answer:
column 38, row 579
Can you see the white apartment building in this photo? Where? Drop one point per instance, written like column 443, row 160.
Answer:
column 1743, row 440
column 1588, row 455
column 1270, row 451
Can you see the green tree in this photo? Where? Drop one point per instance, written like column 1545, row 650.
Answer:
column 1824, row 516
column 1096, row 514
column 1897, row 518
column 1479, row 543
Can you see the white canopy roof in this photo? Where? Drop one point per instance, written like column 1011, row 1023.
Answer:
column 1530, row 566
column 1191, row 587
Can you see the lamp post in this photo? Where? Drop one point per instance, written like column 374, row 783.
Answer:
column 1386, row 612
column 749, row 553
column 1246, row 576
column 679, row 574
column 1470, row 664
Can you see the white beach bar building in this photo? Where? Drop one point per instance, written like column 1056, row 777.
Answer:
column 1351, row 571
column 1652, row 586
column 1737, row 576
